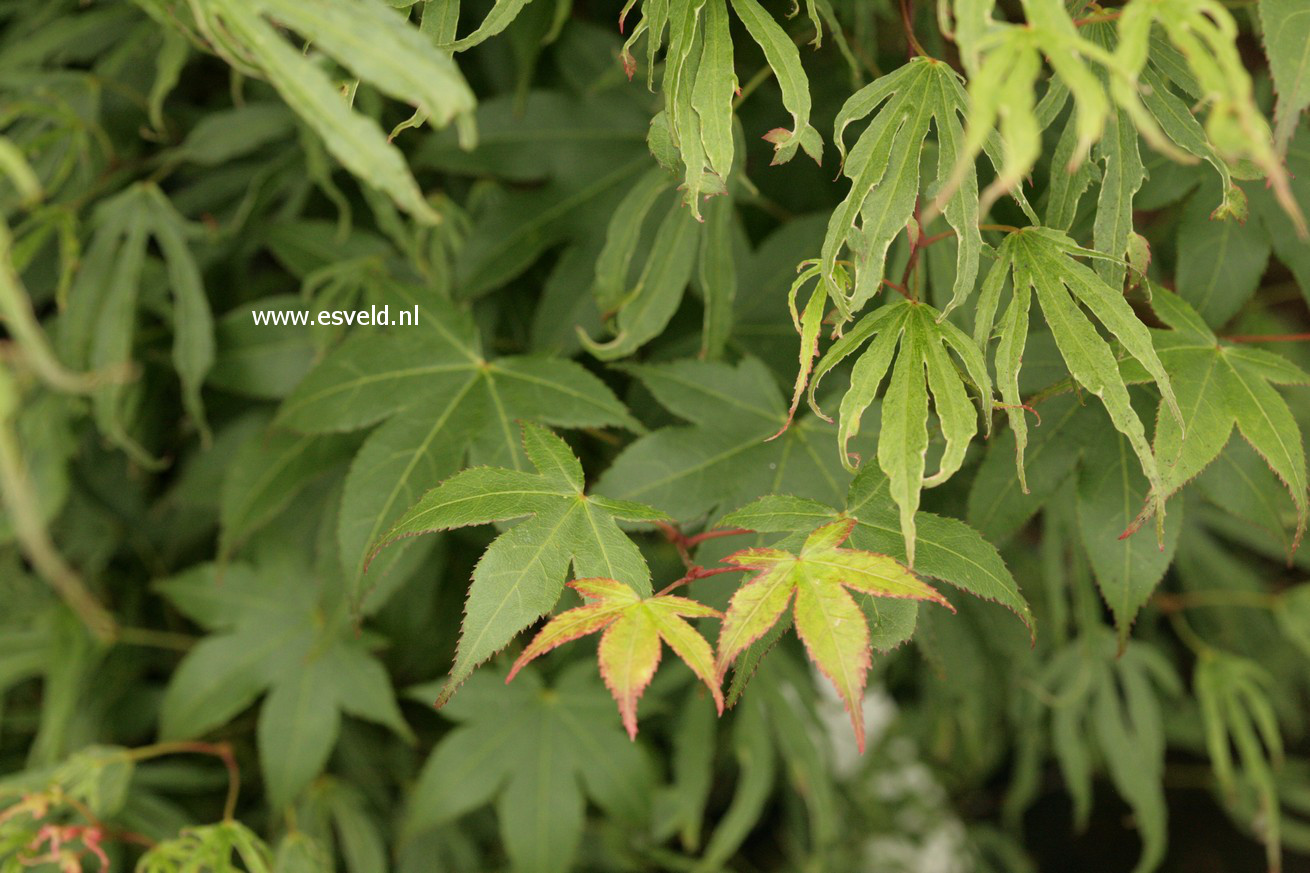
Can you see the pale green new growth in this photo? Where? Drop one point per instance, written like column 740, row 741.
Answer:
column 1041, row 260
column 923, row 364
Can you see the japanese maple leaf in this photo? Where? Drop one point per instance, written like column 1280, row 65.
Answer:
column 630, row 646
column 828, row 620
column 521, row 575
column 1222, row 386
column 440, row 399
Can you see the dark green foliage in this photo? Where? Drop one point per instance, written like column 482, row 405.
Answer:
column 1011, row 583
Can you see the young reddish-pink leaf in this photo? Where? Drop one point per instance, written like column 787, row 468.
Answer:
column 564, row 628
column 629, row 654
column 829, row 622
column 686, row 643
column 836, row 635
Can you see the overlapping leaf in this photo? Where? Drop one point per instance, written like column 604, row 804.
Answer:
column 722, row 459
column 371, row 41
column 948, row 549
column 441, row 399
column 521, row 575
column 827, row 619
column 538, row 752
column 1205, row 34
column 1042, row 260
column 699, row 81
column 271, row 632
column 924, row 363
column 633, row 628
column 1219, row 386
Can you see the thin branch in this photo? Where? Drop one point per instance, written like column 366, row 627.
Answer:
column 899, row 288
column 684, row 544
column 1170, row 603
column 1268, row 338
column 222, row 751
column 907, row 21
column 715, row 534
column 693, row 574
column 19, row 497
column 936, row 238
column 144, row 636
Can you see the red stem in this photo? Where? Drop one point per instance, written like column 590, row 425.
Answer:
column 715, row 534
column 907, row 21
column 696, row 573
column 900, row 289
column 946, row 234
column 684, row 544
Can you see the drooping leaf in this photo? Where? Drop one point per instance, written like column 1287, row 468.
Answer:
column 1042, row 260
column 374, row 43
column 1236, row 713
column 884, row 167
column 1111, row 702
column 924, row 363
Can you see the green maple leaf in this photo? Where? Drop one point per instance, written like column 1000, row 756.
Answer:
column 563, row 161
column 1236, row 711
column 925, row 341
column 1110, row 699
column 827, row 619
column 699, row 82
column 884, row 167
column 1042, row 260
column 1219, row 386
column 538, row 752
column 271, row 632
column 722, row 460
column 521, row 575
column 630, row 646
column 1286, row 30
column 441, row 399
